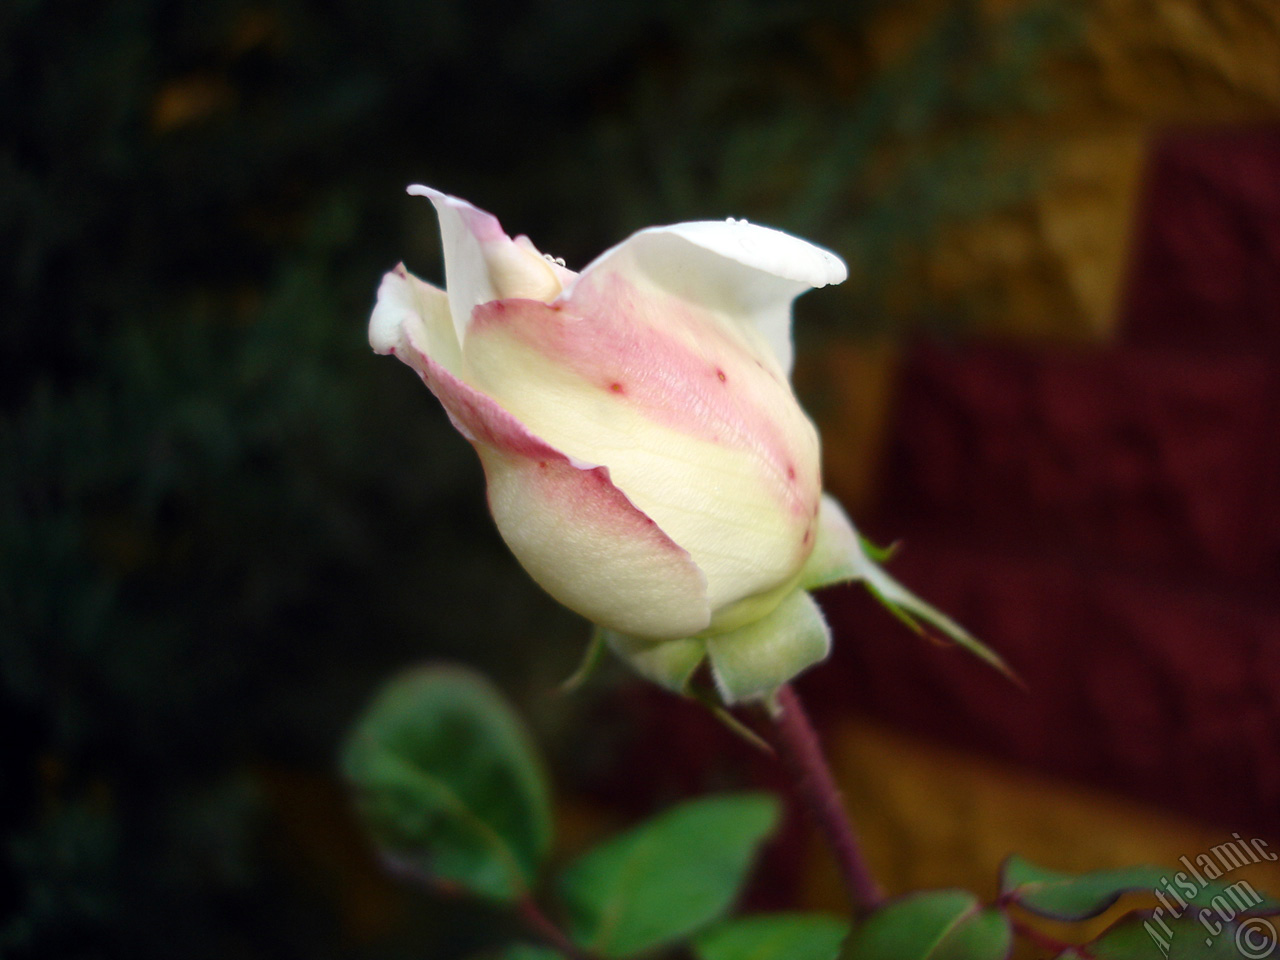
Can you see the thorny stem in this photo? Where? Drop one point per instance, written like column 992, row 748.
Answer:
column 540, row 924
column 798, row 747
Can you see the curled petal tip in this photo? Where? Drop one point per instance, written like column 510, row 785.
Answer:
column 765, row 248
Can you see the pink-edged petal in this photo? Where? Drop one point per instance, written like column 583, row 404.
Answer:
column 747, row 274
column 575, row 532
column 411, row 308
column 481, row 263
column 698, row 434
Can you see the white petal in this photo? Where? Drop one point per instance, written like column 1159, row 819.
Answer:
column 747, row 273
column 409, row 309
column 481, row 263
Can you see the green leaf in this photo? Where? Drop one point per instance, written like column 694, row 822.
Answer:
column 1202, row 935
column 935, row 925
column 1066, row 896
column 777, row 936
column 668, row 877
column 752, row 662
column 448, row 783
column 527, row 951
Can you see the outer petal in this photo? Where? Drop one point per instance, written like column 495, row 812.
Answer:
column 409, row 307
column 745, row 273
column 752, row 662
column 574, row 532
column 481, row 263
column 699, row 436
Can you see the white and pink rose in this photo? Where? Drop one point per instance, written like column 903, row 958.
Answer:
column 646, row 459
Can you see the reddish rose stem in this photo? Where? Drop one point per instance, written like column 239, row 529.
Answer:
column 540, row 924
column 797, row 745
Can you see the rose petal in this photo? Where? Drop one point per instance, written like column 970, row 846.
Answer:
column 409, row 306
column 575, row 532
column 747, row 274
column 697, row 435
column 481, row 263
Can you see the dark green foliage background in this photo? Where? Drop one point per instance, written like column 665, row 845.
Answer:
column 223, row 521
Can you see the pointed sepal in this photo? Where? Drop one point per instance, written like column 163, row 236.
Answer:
column 587, row 667
column 752, row 662
column 841, row 554
column 668, row 663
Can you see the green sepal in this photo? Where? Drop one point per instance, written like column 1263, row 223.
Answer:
column 591, row 658
column 838, row 549
column 752, row 662
column 668, row 663
column 841, row 554
column 876, row 552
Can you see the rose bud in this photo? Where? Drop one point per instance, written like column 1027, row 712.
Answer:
column 646, row 459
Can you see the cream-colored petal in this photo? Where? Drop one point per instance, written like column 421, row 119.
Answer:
column 746, row 274
column 409, row 308
column 481, row 263
column 562, row 273
column 570, row 527
column 588, row 546
column 705, row 442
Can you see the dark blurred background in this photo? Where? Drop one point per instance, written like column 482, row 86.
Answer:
column 223, row 522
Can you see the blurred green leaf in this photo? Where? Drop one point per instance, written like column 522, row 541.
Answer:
column 1066, row 896
column 1143, row 936
column 526, row 951
column 448, row 783
column 668, row 877
column 934, row 925
column 776, row 936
